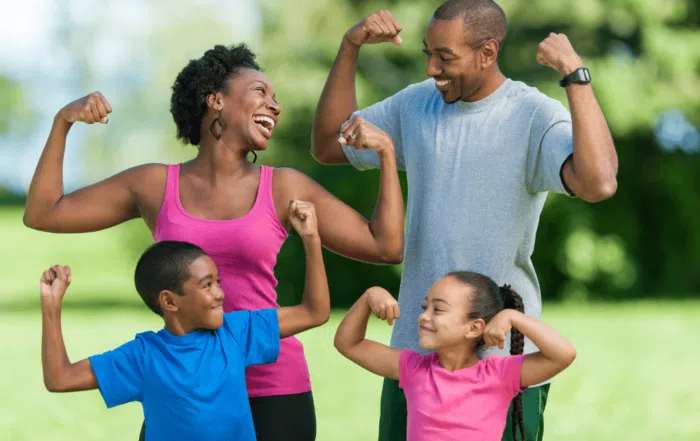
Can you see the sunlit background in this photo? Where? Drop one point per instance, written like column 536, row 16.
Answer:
column 620, row 278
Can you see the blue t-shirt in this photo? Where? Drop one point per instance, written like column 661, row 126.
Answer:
column 192, row 387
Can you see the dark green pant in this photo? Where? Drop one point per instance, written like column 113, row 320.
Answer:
column 392, row 417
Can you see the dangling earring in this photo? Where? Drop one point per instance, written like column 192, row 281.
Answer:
column 213, row 131
column 255, row 156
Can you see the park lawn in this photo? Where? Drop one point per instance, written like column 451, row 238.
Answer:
column 634, row 378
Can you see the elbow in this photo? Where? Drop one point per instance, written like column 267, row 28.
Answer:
column 569, row 356
column 53, row 386
column 394, row 259
column 320, row 154
column 31, row 221
column 318, row 316
column 37, row 221
column 322, row 317
column 392, row 256
column 600, row 191
column 339, row 344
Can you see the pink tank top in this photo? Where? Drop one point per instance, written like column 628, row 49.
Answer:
column 245, row 252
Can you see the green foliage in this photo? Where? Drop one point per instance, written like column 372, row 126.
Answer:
column 645, row 60
column 15, row 112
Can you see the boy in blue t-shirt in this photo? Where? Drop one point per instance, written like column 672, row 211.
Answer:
column 190, row 375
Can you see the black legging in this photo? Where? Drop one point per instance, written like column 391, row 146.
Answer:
column 280, row 418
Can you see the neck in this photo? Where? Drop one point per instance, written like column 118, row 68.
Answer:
column 175, row 326
column 456, row 358
column 492, row 81
column 221, row 157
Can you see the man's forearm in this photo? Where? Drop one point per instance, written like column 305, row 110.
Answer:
column 595, row 159
column 337, row 103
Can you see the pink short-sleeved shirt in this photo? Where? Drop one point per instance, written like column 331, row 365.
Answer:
column 466, row 404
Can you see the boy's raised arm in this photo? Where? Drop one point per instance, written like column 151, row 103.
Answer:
column 60, row 375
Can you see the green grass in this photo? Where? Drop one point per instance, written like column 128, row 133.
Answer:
column 102, row 262
column 634, row 378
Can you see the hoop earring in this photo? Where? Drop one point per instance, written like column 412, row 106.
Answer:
column 255, row 156
column 213, row 131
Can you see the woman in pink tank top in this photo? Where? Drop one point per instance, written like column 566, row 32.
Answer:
column 234, row 209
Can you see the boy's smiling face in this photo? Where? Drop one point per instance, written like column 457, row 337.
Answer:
column 200, row 305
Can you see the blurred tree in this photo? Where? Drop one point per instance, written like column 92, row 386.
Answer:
column 644, row 56
column 645, row 59
column 15, row 112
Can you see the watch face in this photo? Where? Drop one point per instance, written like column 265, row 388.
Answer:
column 583, row 75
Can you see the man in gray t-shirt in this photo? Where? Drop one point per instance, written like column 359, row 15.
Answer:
column 481, row 152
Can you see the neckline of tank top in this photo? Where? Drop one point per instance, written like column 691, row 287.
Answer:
column 185, row 213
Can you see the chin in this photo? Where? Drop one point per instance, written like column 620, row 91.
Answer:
column 427, row 343
column 261, row 145
column 215, row 321
column 450, row 97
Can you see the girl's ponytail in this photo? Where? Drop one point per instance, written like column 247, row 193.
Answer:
column 512, row 300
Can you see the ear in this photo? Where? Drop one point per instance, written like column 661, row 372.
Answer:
column 168, row 301
column 475, row 329
column 488, row 53
column 215, row 101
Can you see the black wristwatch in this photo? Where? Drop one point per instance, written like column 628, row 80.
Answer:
column 579, row 76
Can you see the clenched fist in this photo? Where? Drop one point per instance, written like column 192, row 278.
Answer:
column 376, row 28
column 557, row 52
column 89, row 109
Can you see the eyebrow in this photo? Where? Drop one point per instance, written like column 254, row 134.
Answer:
column 267, row 86
column 208, row 276
column 441, row 49
column 438, row 301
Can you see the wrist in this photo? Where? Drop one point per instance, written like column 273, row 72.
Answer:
column 570, row 65
column 50, row 303
column 387, row 152
column 311, row 239
column 348, row 47
column 61, row 120
column 514, row 316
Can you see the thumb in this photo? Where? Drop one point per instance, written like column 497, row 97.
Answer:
column 397, row 40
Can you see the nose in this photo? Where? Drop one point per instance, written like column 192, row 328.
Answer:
column 432, row 68
column 274, row 106
column 219, row 294
column 423, row 318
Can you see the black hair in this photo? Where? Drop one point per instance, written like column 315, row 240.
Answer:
column 488, row 299
column 484, row 20
column 164, row 266
column 200, row 78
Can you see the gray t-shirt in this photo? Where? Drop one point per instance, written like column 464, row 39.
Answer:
column 478, row 176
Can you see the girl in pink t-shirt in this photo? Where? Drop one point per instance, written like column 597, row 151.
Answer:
column 450, row 393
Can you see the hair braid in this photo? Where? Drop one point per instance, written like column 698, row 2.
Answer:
column 512, row 300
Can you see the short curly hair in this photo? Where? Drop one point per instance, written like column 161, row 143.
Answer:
column 200, row 78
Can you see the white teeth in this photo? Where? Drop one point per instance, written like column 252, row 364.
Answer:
column 265, row 121
column 441, row 83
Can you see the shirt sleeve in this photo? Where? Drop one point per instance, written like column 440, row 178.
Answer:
column 257, row 333
column 385, row 115
column 550, row 144
column 119, row 373
column 508, row 369
column 409, row 361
